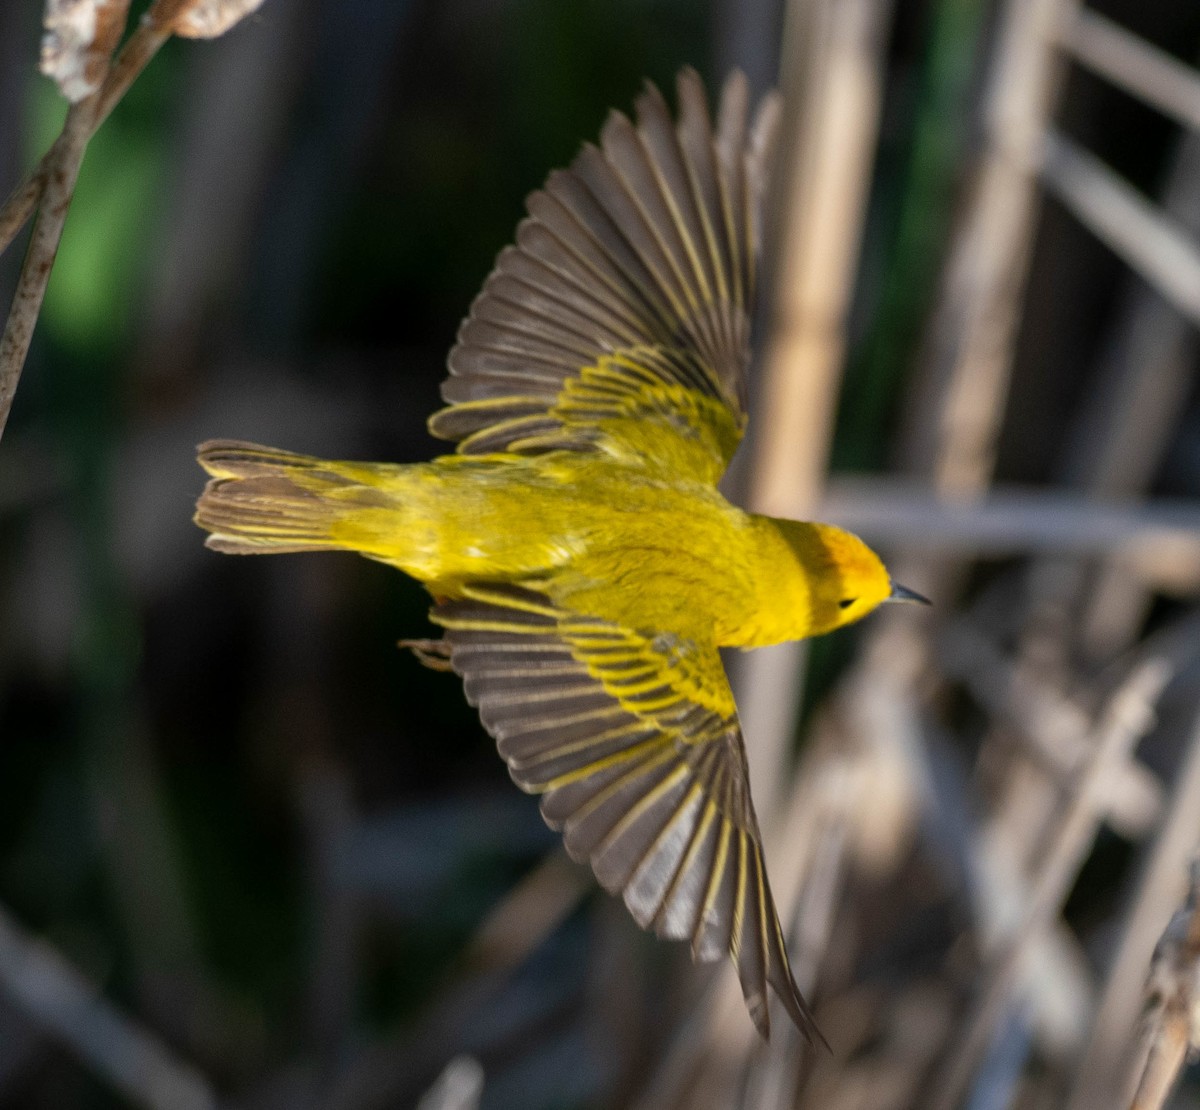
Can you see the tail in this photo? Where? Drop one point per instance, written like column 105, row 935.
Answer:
column 262, row 501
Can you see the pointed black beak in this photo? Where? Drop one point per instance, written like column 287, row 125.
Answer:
column 903, row 593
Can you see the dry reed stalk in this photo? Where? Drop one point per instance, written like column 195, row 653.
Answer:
column 1171, row 1026
column 957, row 405
column 832, row 84
column 58, row 998
column 1156, row 541
column 1130, row 62
column 459, row 1087
column 1101, row 1068
column 1121, row 440
column 1128, row 419
column 504, row 940
column 1125, row 221
column 823, row 180
column 959, row 401
column 1142, row 400
column 1115, row 452
column 832, row 90
column 1117, row 448
column 1054, row 727
column 956, row 408
column 954, row 422
column 1127, row 717
column 1127, row 427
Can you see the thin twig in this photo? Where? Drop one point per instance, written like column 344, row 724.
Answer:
column 52, row 184
column 59, row 999
column 134, row 56
column 61, row 176
column 22, row 201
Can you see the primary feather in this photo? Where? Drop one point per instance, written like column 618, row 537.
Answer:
column 584, row 567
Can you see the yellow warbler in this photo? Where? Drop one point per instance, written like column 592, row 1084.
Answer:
column 584, row 568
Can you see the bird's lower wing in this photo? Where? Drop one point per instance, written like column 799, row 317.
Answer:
column 634, row 744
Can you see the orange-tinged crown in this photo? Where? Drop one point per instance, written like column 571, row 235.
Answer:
column 816, row 577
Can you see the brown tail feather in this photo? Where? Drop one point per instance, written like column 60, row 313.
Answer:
column 263, row 501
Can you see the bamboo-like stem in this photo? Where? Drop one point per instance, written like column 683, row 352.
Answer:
column 1127, row 420
column 832, row 85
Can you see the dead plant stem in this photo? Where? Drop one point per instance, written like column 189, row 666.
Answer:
column 51, row 185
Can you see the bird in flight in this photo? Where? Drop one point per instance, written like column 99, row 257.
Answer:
column 584, row 568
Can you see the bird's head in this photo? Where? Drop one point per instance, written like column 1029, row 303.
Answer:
column 843, row 578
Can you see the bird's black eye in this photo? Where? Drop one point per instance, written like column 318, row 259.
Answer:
column 846, row 602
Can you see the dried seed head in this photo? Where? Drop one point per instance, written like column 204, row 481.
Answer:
column 206, row 19
column 79, row 39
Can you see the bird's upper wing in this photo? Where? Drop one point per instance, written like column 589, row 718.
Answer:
column 633, row 741
column 620, row 320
